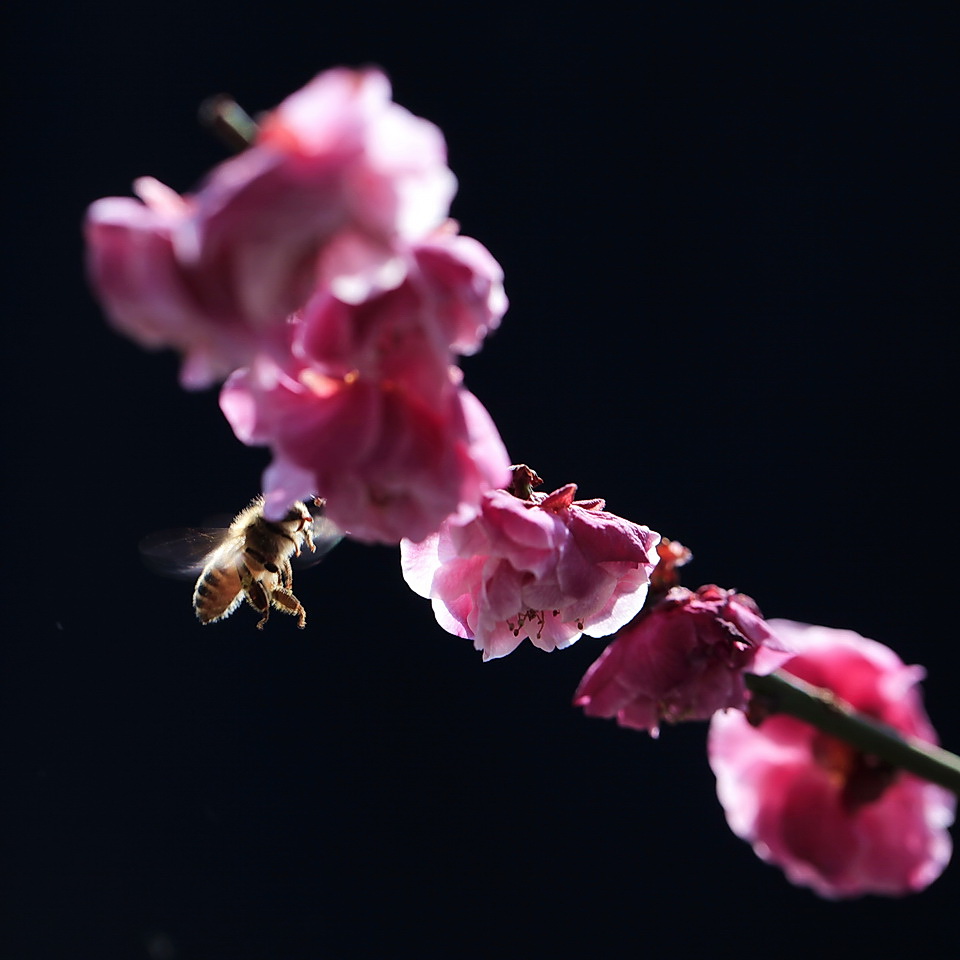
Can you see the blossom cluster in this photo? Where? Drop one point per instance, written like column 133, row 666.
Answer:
column 834, row 818
column 317, row 275
column 318, row 272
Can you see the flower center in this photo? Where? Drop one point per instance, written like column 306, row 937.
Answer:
column 524, row 617
column 538, row 616
column 860, row 777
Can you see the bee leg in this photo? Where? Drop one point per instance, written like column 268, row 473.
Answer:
column 284, row 600
column 286, row 574
column 305, row 537
column 295, row 540
column 258, row 599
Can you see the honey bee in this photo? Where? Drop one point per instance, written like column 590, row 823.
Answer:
column 250, row 561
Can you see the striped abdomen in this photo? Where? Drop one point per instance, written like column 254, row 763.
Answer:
column 218, row 592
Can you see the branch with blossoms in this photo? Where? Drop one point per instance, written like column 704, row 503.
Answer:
column 317, row 276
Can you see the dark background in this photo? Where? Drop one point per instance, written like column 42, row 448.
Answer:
column 724, row 229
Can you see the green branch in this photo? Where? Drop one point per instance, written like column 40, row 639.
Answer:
column 782, row 693
column 229, row 121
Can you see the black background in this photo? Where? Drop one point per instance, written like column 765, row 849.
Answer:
column 724, row 229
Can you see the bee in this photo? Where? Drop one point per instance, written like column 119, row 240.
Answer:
column 250, row 561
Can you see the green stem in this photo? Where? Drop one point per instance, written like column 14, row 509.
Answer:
column 782, row 693
column 229, row 121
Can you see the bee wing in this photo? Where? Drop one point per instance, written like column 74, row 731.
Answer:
column 182, row 552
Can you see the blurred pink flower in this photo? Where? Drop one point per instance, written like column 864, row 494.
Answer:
column 461, row 287
column 367, row 410
column 390, row 462
column 681, row 660
column 832, row 818
column 548, row 568
column 450, row 298
column 339, row 182
column 152, row 297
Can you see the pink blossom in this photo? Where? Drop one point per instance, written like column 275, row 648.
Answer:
column 152, row 297
column 682, row 660
column 367, row 411
column 461, row 287
column 340, row 181
column 547, row 568
column 832, row 818
column 389, row 463
column 451, row 297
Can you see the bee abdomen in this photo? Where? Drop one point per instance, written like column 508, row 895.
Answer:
column 217, row 593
